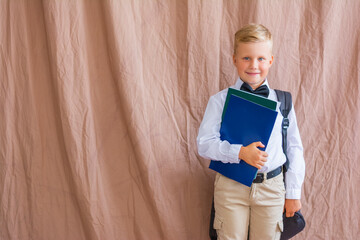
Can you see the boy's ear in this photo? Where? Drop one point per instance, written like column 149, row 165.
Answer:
column 234, row 59
column 271, row 60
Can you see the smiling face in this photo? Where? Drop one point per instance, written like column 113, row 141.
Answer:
column 253, row 61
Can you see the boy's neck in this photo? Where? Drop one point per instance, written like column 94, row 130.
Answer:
column 255, row 86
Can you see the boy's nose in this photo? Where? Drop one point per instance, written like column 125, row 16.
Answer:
column 254, row 64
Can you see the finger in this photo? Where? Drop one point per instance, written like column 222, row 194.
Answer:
column 262, row 160
column 262, row 163
column 290, row 214
column 259, row 144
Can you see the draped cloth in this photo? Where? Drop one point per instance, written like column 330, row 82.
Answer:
column 101, row 102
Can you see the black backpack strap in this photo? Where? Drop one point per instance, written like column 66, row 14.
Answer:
column 285, row 107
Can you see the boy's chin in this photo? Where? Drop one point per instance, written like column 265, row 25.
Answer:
column 253, row 82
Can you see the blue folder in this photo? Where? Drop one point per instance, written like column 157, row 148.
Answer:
column 265, row 102
column 244, row 122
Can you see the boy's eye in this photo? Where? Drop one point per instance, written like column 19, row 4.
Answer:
column 246, row 58
column 261, row 59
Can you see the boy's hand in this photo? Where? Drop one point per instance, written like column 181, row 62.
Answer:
column 252, row 155
column 292, row 206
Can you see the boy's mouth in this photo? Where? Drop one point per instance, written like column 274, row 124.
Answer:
column 252, row 74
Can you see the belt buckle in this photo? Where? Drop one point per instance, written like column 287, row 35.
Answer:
column 259, row 178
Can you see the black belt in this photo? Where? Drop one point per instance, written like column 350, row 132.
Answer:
column 260, row 176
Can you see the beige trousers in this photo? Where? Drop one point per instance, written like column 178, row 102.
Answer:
column 241, row 211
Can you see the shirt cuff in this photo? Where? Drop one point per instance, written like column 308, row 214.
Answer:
column 234, row 153
column 293, row 194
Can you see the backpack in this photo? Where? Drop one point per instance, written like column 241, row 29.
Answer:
column 285, row 107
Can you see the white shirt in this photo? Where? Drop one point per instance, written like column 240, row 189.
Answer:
column 210, row 146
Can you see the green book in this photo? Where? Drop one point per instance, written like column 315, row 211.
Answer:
column 262, row 101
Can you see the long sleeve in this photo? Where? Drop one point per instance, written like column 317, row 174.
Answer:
column 208, row 140
column 294, row 177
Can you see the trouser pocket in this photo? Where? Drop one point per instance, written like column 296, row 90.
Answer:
column 279, row 229
column 217, row 223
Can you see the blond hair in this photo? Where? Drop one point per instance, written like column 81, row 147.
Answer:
column 252, row 33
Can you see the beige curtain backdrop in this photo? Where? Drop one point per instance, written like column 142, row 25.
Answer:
column 101, row 102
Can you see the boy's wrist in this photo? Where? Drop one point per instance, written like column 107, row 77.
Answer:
column 241, row 153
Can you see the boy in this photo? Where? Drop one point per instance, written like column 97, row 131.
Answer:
column 256, row 212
